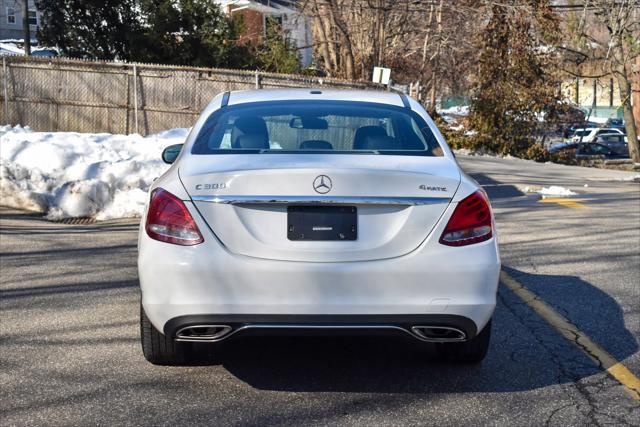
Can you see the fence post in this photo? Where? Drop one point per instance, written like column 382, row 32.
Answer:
column 135, row 97
column 5, row 90
column 258, row 84
column 128, row 104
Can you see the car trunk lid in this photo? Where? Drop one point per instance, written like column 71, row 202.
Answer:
column 247, row 202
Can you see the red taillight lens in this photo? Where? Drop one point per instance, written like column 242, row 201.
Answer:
column 470, row 222
column 168, row 220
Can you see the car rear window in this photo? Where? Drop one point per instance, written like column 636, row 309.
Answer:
column 316, row 126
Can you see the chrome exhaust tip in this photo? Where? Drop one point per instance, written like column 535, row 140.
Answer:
column 203, row 333
column 438, row 333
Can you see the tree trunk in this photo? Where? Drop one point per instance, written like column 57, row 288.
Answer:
column 323, row 42
column 347, row 62
column 347, row 57
column 630, row 125
column 436, row 58
column 635, row 88
column 326, row 19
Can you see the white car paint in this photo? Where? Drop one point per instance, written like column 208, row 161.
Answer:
column 592, row 133
column 247, row 266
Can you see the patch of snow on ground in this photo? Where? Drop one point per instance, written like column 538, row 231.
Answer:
column 554, row 190
column 68, row 174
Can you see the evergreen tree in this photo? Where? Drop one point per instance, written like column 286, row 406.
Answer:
column 276, row 53
column 190, row 32
column 95, row 29
column 182, row 32
column 515, row 81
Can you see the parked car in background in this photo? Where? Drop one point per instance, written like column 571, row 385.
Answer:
column 590, row 151
column 616, row 124
column 570, row 130
column 616, row 142
column 590, row 134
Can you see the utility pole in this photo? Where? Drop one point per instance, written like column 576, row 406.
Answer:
column 25, row 27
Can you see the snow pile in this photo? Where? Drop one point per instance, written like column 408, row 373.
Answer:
column 554, row 190
column 462, row 110
column 67, row 174
column 633, row 178
column 481, row 152
column 10, row 49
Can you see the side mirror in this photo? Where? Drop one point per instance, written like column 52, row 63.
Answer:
column 170, row 154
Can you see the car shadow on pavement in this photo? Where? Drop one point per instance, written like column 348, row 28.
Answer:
column 593, row 311
column 496, row 189
column 526, row 353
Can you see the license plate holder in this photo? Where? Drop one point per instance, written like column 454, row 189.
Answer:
column 322, row 223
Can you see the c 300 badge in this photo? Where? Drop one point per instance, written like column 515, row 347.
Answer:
column 213, row 186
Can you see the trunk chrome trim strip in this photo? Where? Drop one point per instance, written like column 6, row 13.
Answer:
column 352, row 200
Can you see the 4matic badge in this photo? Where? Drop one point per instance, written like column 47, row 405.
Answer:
column 431, row 188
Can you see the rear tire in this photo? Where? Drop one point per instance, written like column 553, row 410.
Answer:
column 157, row 347
column 467, row 352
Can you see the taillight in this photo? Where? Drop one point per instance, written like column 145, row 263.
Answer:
column 168, row 220
column 470, row 222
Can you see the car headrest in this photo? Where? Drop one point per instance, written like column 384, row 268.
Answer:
column 316, row 144
column 379, row 142
column 254, row 126
column 252, row 141
column 365, row 132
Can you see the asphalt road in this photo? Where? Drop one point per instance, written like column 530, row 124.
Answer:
column 70, row 352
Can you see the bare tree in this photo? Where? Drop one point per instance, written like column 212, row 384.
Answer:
column 611, row 48
column 428, row 41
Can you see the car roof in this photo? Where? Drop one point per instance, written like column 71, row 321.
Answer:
column 592, row 129
column 260, row 95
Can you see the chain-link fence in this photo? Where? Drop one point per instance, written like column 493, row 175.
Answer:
column 85, row 96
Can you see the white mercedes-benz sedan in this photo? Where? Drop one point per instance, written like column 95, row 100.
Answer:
column 316, row 211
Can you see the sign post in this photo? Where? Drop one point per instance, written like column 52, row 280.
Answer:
column 381, row 75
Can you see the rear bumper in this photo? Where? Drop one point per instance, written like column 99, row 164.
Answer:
column 208, row 280
column 270, row 324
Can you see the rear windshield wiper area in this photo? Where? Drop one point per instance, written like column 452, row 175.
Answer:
column 278, row 151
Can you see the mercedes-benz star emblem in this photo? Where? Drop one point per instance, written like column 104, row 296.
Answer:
column 322, row 184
